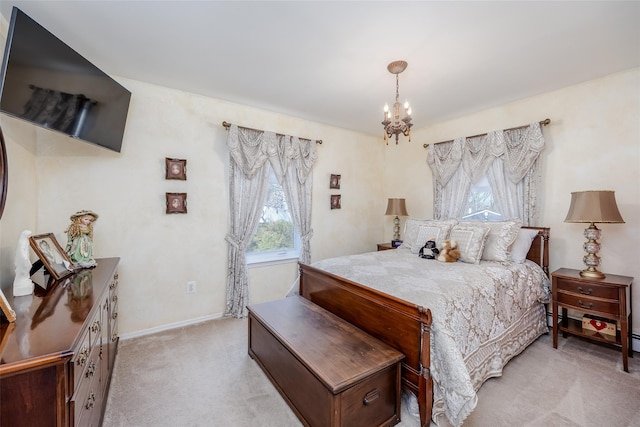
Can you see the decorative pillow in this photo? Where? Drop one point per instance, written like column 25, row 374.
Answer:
column 522, row 244
column 412, row 228
column 501, row 236
column 410, row 233
column 471, row 241
column 437, row 232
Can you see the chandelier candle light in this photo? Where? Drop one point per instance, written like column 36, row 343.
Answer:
column 393, row 123
column 396, row 207
column 591, row 207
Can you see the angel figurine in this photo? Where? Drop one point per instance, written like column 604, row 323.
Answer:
column 22, row 284
column 80, row 238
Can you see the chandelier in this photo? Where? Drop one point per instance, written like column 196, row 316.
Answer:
column 393, row 123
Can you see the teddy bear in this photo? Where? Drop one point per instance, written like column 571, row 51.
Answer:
column 449, row 251
column 429, row 250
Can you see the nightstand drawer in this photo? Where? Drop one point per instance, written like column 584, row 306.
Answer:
column 589, row 289
column 581, row 302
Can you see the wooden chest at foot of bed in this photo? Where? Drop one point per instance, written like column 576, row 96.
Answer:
column 328, row 371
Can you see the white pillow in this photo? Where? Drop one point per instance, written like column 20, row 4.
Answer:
column 412, row 228
column 501, row 236
column 522, row 244
column 471, row 241
column 410, row 233
column 438, row 232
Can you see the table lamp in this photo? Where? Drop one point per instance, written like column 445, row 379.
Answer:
column 396, row 207
column 591, row 207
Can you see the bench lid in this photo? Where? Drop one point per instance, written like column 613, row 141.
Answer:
column 335, row 351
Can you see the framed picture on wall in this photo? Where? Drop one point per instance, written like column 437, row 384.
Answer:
column 176, row 203
column 334, row 181
column 176, row 169
column 335, row 201
column 50, row 253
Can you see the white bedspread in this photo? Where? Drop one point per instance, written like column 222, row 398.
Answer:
column 483, row 315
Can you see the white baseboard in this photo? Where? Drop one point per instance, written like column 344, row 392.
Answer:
column 170, row 326
column 635, row 338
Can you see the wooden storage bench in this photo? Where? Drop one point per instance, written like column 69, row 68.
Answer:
column 329, row 372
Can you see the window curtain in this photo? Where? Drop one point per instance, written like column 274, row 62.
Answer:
column 253, row 153
column 509, row 159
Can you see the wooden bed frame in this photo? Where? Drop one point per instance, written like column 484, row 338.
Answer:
column 400, row 324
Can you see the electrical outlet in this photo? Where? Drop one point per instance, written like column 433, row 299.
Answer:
column 191, row 287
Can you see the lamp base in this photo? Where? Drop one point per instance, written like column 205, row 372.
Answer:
column 592, row 273
column 592, row 247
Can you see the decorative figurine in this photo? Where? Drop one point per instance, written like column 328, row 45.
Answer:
column 80, row 238
column 22, row 284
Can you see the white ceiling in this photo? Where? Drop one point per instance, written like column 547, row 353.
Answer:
column 327, row 60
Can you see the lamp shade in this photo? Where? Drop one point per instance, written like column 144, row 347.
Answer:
column 396, row 207
column 594, row 206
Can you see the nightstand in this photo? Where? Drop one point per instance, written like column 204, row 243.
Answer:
column 384, row 246
column 609, row 298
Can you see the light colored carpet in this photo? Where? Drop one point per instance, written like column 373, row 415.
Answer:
column 201, row 375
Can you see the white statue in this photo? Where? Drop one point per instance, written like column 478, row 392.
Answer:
column 22, row 284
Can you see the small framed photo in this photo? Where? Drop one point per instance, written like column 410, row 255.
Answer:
column 6, row 309
column 176, row 169
column 176, row 203
column 55, row 260
column 334, row 182
column 335, row 201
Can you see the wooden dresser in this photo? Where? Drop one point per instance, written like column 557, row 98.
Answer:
column 56, row 359
column 329, row 372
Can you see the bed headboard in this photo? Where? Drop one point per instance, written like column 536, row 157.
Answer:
column 539, row 251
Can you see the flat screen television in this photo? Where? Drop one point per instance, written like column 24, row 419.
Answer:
column 47, row 83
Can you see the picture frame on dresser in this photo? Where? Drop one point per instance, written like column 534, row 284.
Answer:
column 50, row 253
column 6, row 309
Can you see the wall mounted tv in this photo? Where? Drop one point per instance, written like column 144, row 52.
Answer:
column 46, row 82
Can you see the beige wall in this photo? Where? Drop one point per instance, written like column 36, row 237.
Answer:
column 161, row 253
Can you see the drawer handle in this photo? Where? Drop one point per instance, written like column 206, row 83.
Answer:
column 370, row 397
column 114, row 298
column 83, row 356
column 91, row 400
column 114, row 338
column 114, row 316
column 583, row 292
column 91, row 369
column 581, row 304
column 95, row 327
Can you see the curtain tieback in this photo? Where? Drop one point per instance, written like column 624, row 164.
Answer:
column 307, row 236
column 235, row 242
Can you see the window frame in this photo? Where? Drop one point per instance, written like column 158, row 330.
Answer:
column 276, row 256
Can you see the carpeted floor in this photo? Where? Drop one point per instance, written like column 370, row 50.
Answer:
column 201, row 375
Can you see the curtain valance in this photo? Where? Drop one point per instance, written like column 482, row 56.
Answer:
column 518, row 149
column 251, row 148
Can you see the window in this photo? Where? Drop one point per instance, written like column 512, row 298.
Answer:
column 276, row 238
column 480, row 205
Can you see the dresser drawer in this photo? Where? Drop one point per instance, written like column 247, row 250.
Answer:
column 80, row 361
column 582, row 302
column 86, row 396
column 589, row 289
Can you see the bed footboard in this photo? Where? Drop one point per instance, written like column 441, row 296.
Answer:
column 398, row 323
